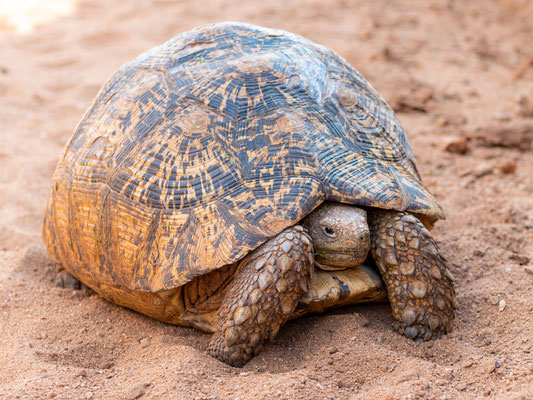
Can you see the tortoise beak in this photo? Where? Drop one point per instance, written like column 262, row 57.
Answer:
column 339, row 260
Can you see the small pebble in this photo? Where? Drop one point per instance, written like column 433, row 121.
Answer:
column 520, row 259
column 507, row 167
column 456, row 145
column 89, row 395
column 478, row 253
column 423, row 94
column 442, row 121
column 502, row 304
column 493, row 300
column 137, row 392
column 106, row 365
column 462, row 387
column 488, row 365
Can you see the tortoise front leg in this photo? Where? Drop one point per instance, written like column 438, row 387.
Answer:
column 262, row 296
column 417, row 277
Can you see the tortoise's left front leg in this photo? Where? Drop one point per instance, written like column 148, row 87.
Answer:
column 417, row 277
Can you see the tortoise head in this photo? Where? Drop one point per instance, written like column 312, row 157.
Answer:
column 340, row 235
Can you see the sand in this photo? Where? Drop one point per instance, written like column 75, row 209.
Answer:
column 461, row 77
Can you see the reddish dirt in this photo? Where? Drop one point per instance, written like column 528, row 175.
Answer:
column 457, row 72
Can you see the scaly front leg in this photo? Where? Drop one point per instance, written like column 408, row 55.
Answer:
column 417, row 277
column 262, row 296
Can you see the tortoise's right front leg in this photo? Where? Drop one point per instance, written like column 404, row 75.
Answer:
column 262, row 296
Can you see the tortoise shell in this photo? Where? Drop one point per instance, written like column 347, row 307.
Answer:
column 206, row 146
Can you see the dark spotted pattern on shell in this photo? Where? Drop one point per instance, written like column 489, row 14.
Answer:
column 206, row 146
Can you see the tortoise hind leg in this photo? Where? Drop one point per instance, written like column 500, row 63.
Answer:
column 262, row 296
column 67, row 281
column 417, row 277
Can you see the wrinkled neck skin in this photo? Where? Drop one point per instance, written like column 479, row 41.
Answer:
column 340, row 235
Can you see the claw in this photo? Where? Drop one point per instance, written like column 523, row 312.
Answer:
column 411, row 332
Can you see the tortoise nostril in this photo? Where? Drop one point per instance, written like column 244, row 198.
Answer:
column 363, row 238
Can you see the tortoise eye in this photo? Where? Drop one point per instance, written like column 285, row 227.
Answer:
column 329, row 232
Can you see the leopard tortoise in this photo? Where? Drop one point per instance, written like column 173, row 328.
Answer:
column 214, row 172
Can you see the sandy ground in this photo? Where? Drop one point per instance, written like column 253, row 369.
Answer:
column 461, row 77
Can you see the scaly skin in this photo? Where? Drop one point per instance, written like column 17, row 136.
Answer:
column 67, row 281
column 262, row 296
column 417, row 277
